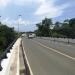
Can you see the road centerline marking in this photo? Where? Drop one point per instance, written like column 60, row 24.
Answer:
column 54, row 50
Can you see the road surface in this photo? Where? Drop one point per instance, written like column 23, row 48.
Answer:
column 49, row 58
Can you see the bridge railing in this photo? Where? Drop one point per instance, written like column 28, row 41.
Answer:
column 4, row 54
column 7, row 57
column 63, row 40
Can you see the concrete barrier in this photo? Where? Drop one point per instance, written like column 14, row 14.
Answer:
column 12, row 60
column 65, row 40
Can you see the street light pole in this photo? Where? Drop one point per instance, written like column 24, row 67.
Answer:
column 18, row 24
column 0, row 19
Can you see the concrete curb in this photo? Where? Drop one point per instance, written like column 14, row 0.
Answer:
column 7, row 63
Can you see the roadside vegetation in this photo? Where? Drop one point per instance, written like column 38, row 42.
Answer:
column 63, row 30
column 7, row 35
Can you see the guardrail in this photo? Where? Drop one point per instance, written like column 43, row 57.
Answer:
column 4, row 54
column 63, row 40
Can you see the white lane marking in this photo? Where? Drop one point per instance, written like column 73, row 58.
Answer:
column 31, row 73
column 54, row 50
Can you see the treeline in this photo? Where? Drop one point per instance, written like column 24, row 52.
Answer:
column 63, row 30
column 7, row 35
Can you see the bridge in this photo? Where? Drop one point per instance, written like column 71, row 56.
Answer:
column 39, row 56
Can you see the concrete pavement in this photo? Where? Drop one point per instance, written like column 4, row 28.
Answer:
column 44, row 61
column 59, row 46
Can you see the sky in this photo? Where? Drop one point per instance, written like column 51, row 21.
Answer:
column 33, row 11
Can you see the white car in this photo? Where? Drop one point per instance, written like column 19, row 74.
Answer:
column 31, row 36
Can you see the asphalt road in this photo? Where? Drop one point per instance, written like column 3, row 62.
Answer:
column 49, row 58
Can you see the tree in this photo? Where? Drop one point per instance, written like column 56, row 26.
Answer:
column 57, row 26
column 65, row 29
column 47, row 22
column 7, row 35
column 72, row 23
column 66, row 21
column 44, row 27
column 72, row 26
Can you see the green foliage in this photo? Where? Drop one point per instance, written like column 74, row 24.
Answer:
column 57, row 35
column 57, row 26
column 44, row 27
column 65, row 29
column 2, row 42
column 7, row 35
column 72, row 23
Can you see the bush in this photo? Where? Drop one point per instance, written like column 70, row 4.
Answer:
column 58, row 35
column 7, row 35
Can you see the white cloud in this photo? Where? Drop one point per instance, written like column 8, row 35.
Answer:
column 46, row 8
column 20, row 21
column 49, row 9
column 4, row 3
column 7, row 22
column 22, row 2
column 23, row 22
